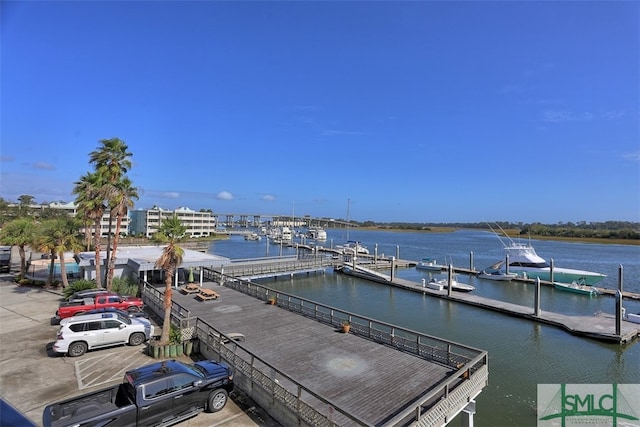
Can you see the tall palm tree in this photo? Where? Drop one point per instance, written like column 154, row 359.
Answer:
column 91, row 205
column 123, row 198
column 58, row 236
column 112, row 162
column 171, row 231
column 19, row 232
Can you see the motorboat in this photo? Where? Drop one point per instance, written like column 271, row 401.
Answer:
column 353, row 248
column 576, row 288
column 526, row 263
column 317, row 233
column 252, row 237
column 430, row 264
column 494, row 272
column 455, row 285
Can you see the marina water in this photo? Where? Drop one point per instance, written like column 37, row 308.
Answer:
column 522, row 353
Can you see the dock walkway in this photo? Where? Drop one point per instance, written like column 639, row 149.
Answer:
column 375, row 384
column 601, row 327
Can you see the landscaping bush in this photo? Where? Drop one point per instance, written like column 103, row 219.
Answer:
column 78, row 285
column 125, row 286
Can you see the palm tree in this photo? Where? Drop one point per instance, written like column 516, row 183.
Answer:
column 91, row 206
column 57, row 236
column 112, row 163
column 123, row 198
column 19, row 232
column 171, row 231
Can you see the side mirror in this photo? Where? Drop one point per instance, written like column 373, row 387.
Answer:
column 122, row 326
column 197, row 383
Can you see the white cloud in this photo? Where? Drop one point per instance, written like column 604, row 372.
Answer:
column 44, row 166
column 170, row 195
column 224, row 195
column 634, row 156
column 268, row 198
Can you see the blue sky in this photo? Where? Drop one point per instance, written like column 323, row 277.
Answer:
column 414, row 111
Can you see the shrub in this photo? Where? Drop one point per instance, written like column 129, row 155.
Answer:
column 78, row 285
column 125, row 286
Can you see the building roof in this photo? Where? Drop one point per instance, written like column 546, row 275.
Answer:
column 143, row 258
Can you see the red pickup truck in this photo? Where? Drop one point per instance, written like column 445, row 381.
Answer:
column 106, row 300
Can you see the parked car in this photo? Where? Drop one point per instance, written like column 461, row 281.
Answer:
column 104, row 300
column 162, row 393
column 87, row 332
column 115, row 310
column 87, row 293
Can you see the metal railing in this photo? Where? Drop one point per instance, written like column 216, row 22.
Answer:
column 434, row 407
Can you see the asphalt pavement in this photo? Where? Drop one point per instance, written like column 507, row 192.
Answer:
column 32, row 376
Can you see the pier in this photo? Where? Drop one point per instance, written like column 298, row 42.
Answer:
column 296, row 364
column 601, row 327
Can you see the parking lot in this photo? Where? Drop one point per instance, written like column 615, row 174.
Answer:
column 32, row 376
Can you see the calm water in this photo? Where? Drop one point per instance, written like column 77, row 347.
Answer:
column 522, row 354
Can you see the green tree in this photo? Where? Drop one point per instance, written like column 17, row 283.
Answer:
column 122, row 200
column 171, row 231
column 112, row 162
column 20, row 233
column 58, row 236
column 91, row 206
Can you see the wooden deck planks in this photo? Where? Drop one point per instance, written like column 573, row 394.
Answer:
column 364, row 378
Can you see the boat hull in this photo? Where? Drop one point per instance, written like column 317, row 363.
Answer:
column 576, row 289
column 559, row 275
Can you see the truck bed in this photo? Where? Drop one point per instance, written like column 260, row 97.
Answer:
column 113, row 401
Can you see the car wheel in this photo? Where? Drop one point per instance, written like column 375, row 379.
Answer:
column 136, row 339
column 133, row 309
column 217, row 399
column 77, row 349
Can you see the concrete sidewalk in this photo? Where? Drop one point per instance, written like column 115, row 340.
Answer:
column 32, row 376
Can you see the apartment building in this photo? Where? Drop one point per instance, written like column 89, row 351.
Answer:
column 146, row 222
column 72, row 210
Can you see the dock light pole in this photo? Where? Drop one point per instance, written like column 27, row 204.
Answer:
column 450, row 279
column 536, row 303
column 619, row 302
column 471, row 261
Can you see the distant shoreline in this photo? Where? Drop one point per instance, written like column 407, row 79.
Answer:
column 514, row 234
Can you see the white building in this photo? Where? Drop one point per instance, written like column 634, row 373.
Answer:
column 72, row 209
column 147, row 221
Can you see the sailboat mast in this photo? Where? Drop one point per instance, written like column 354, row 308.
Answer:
column 348, row 219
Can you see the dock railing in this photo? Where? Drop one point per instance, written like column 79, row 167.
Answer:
column 470, row 365
column 437, row 406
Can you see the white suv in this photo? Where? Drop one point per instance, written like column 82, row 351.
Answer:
column 81, row 333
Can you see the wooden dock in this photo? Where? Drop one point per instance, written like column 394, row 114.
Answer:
column 601, row 327
column 375, row 384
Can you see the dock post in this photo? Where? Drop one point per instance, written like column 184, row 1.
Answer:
column 467, row 414
column 506, row 263
column 551, row 271
column 471, row 261
column 375, row 253
column 397, row 251
column 619, row 302
column 393, row 261
column 537, row 298
column 450, row 279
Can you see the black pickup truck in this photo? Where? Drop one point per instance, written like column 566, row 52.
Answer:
column 160, row 394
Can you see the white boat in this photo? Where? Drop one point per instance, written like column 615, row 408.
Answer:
column 525, row 262
column 494, row 272
column 576, row 288
column 455, row 285
column 317, row 233
column 353, row 248
column 430, row 264
column 252, row 237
